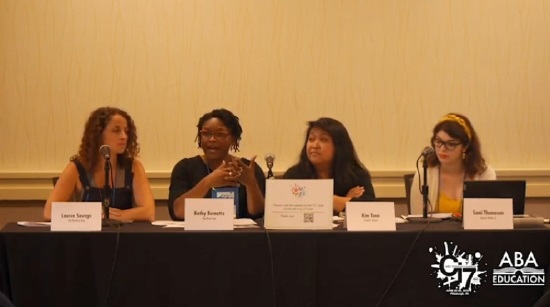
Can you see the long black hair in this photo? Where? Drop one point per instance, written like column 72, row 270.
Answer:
column 346, row 166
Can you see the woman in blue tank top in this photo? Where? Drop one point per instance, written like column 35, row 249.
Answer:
column 84, row 177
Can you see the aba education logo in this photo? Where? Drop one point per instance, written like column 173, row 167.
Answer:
column 515, row 269
column 298, row 190
column 458, row 272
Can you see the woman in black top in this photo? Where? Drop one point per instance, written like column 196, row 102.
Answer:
column 84, row 177
column 328, row 153
column 217, row 132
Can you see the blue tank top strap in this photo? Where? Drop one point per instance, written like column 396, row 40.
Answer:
column 81, row 173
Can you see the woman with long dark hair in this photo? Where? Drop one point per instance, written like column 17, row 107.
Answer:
column 328, row 153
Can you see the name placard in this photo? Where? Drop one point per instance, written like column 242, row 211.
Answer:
column 76, row 216
column 298, row 204
column 488, row 213
column 209, row 214
column 370, row 216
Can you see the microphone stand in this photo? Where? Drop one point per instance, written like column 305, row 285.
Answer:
column 106, row 201
column 425, row 189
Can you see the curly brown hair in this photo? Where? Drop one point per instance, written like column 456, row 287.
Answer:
column 88, row 153
column 474, row 163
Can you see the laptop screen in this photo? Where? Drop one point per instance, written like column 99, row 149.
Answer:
column 514, row 189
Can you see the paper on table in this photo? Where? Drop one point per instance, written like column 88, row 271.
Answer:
column 164, row 222
column 34, row 224
column 175, row 225
column 239, row 223
column 399, row 220
column 435, row 215
column 243, row 222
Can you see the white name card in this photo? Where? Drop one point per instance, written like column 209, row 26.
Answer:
column 76, row 216
column 209, row 214
column 488, row 213
column 298, row 204
column 370, row 216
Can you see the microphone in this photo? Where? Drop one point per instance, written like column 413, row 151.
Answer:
column 105, row 151
column 427, row 151
column 269, row 159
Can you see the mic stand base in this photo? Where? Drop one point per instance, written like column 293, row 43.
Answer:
column 111, row 223
column 424, row 220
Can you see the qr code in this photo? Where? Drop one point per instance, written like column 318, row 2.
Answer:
column 308, row 217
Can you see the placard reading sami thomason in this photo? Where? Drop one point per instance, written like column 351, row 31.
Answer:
column 370, row 216
column 488, row 213
column 76, row 216
column 209, row 214
column 298, row 204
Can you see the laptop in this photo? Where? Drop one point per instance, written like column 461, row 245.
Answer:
column 514, row 189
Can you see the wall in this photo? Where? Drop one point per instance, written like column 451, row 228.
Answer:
column 387, row 69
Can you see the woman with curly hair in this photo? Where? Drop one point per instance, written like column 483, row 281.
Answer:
column 84, row 177
column 457, row 158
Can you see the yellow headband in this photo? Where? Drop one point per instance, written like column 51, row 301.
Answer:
column 460, row 121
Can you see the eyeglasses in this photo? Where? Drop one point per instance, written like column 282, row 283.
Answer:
column 449, row 145
column 217, row 135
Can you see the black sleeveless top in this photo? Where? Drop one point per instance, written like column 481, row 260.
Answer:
column 121, row 195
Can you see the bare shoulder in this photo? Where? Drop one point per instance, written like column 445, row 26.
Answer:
column 137, row 166
column 68, row 180
column 70, row 170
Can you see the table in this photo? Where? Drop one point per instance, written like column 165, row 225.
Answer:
column 250, row 267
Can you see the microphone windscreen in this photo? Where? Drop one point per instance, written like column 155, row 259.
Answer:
column 269, row 158
column 105, row 151
column 427, row 151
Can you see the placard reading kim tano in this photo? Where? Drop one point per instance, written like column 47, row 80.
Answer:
column 298, row 204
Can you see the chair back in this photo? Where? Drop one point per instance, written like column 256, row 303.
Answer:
column 408, row 178
column 5, row 301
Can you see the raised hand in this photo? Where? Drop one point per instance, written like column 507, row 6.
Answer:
column 356, row 192
column 224, row 175
column 246, row 173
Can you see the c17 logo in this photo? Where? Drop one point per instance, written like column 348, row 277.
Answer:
column 459, row 273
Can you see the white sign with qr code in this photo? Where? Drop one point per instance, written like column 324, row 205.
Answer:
column 298, row 204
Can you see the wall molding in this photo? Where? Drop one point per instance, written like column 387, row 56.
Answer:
column 387, row 183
